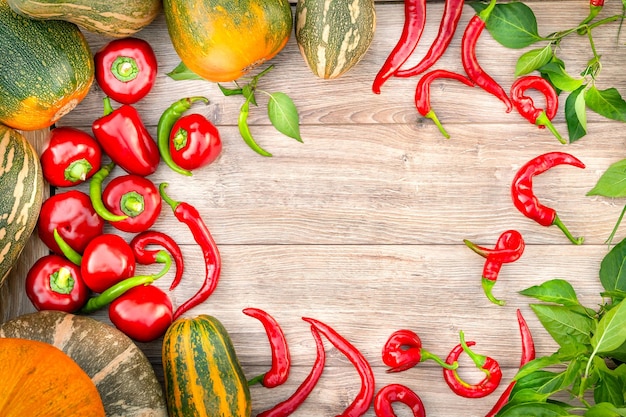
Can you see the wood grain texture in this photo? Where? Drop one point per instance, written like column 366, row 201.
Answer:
column 362, row 224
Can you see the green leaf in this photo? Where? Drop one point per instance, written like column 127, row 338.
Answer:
column 608, row 103
column 538, row 364
column 575, row 114
column 605, row 410
column 612, row 183
column 563, row 324
column 612, row 271
column 562, row 80
column 557, row 291
column 541, row 382
column 610, row 332
column 283, row 114
column 181, row 72
column 535, row 409
column 609, row 387
column 230, row 91
column 513, row 24
column 533, row 60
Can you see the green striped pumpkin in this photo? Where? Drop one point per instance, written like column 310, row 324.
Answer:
column 202, row 374
column 334, row 35
column 21, row 194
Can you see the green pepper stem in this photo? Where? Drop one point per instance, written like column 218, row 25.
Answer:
column 488, row 285
column 543, row 120
column 169, row 200
column 69, row 252
column 108, row 108
column 485, row 13
column 430, row 356
column 575, row 240
column 479, row 360
column 256, row 380
column 432, row 116
column 77, row 170
column 61, row 281
column 482, row 251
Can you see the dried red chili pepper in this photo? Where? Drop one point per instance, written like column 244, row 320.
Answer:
column 528, row 354
column 281, row 359
column 452, row 11
column 403, row 350
column 364, row 398
column 397, row 393
column 288, row 406
column 189, row 215
column 147, row 257
column 509, row 248
column 488, row 365
column 422, row 93
column 470, row 62
column 526, row 201
column 135, row 197
column 526, row 106
column 414, row 22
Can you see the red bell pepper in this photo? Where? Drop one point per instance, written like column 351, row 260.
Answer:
column 125, row 139
column 107, row 260
column 136, row 197
column 194, row 142
column 73, row 215
column 69, row 157
column 126, row 69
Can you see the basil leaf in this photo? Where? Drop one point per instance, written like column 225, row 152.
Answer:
column 533, row 60
column 575, row 115
column 608, row 103
column 513, row 25
column 556, row 291
column 538, row 364
column 555, row 71
column 563, row 324
column 181, row 72
column 609, row 385
column 283, row 114
column 541, row 382
column 612, row 271
column 612, row 183
column 610, row 332
column 605, row 410
column 535, row 409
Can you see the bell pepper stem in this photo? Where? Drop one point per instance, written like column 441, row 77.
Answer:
column 488, row 285
column 433, row 116
column 543, row 120
column 61, row 281
column 575, row 240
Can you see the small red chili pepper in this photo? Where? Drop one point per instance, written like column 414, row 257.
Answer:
column 194, row 142
column 55, row 283
column 147, row 257
column 73, row 215
column 414, row 22
column 526, row 106
column 528, row 354
column 403, row 350
column 452, row 11
column 488, row 365
column 363, row 400
column 281, row 359
column 126, row 69
column 189, row 215
column 397, row 393
column 107, row 260
column 291, row 404
column 124, row 138
column 470, row 62
column 526, row 201
column 69, row 157
column 422, row 93
column 509, row 248
column 136, row 197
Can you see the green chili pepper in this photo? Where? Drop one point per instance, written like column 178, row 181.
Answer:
column 244, row 129
column 95, row 194
column 72, row 255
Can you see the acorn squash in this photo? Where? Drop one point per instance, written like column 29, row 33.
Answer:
column 221, row 40
column 46, row 69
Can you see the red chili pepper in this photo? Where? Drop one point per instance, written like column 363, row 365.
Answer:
column 189, row 215
column 288, row 406
column 107, row 260
column 136, row 197
column 422, row 93
column 526, row 106
column 509, row 248
column 69, row 157
column 126, row 69
column 403, row 350
column 73, row 215
column 194, row 142
column 452, row 11
column 363, row 400
column 55, row 283
column 526, row 201
column 125, row 139
column 528, row 354
column 488, row 365
column 147, row 257
column 471, row 65
column 281, row 359
column 397, row 393
column 414, row 22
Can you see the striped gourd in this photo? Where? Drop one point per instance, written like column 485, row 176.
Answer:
column 21, row 188
column 203, row 376
column 333, row 35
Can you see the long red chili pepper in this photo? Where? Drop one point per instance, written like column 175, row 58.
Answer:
column 397, row 393
column 403, row 350
column 362, row 401
column 526, row 201
column 470, row 62
column 189, row 215
column 281, row 359
column 288, row 406
column 414, row 22
column 149, row 256
column 422, row 93
column 452, row 11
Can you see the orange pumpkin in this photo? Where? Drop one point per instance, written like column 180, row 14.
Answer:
column 38, row 379
column 221, row 40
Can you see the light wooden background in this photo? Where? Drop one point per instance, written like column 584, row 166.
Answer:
column 362, row 225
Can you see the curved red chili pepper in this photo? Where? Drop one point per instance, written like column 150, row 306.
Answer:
column 285, row 408
column 397, row 393
column 470, row 62
column 526, row 201
column 146, row 257
column 281, row 359
column 414, row 22
column 452, row 11
column 422, row 93
column 403, row 350
column 365, row 396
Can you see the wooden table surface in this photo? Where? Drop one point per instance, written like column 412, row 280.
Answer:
column 362, row 225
